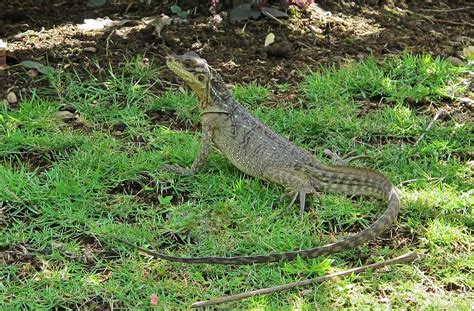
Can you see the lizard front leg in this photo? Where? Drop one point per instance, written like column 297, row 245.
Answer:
column 200, row 158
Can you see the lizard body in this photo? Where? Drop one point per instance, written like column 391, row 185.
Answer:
column 258, row 151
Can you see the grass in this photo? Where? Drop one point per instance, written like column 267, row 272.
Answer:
column 67, row 185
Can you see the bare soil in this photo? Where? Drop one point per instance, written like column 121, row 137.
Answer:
column 46, row 31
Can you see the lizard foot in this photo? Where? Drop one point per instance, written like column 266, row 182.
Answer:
column 302, row 194
column 344, row 160
column 183, row 171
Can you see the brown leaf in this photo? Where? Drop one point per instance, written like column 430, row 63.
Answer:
column 11, row 98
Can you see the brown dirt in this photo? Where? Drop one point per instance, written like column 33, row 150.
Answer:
column 22, row 258
column 146, row 189
column 169, row 119
column 39, row 30
column 34, row 160
column 39, row 160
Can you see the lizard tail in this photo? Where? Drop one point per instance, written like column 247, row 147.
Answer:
column 342, row 179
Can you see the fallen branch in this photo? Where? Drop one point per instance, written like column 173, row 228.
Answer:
column 409, row 257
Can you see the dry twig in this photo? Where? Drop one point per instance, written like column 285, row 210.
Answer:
column 409, row 257
column 446, row 10
column 434, row 20
column 107, row 41
column 436, row 116
column 268, row 14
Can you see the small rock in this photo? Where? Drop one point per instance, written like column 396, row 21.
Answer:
column 454, row 61
column 11, row 98
column 90, row 49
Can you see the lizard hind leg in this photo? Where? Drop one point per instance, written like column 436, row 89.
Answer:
column 297, row 182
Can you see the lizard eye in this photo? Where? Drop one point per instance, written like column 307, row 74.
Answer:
column 201, row 77
column 188, row 62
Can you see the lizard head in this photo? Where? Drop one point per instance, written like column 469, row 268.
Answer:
column 194, row 70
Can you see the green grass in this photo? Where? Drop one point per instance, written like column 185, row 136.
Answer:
column 66, row 186
column 250, row 94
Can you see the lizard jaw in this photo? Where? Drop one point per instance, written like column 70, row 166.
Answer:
column 176, row 65
column 180, row 71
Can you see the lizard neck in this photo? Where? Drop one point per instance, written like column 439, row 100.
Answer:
column 217, row 98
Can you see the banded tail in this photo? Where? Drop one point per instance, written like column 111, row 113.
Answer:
column 341, row 179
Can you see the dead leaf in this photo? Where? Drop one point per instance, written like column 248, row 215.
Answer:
column 31, row 64
column 100, row 23
column 269, row 39
column 274, row 12
column 11, row 98
column 65, row 115
column 243, row 12
column 468, row 52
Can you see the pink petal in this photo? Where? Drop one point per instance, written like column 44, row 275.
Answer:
column 154, row 299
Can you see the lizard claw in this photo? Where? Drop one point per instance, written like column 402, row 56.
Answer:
column 293, row 199
column 302, row 195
